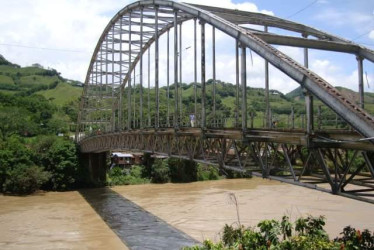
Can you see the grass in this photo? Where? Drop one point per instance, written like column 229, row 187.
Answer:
column 62, row 94
column 9, row 92
column 369, row 108
column 229, row 102
column 22, row 71
column 6, row 80
column 36, row 79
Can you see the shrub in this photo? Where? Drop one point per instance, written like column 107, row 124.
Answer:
column 311, row 226
column 119, row 176
column 13, row 152
column 355, row 239
column 160, row 171
column 270, row 230
column 25, row 179
column 308, row 234
column 207, row 172
column 61, row 160
column 182, row 170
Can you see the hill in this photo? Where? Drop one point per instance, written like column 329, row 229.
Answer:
column 62, row 94
column 297, row 94
column 27, row 81
column 48, row 82
column 47, row 102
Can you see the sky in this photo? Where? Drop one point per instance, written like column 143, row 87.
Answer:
column 62, row 34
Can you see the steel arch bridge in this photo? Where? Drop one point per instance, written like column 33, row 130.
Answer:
column 116, row 112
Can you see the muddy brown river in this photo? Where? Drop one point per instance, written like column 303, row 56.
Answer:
column 72, row 220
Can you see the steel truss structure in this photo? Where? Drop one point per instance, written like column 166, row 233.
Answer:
column 281, row 155
column 340, row 159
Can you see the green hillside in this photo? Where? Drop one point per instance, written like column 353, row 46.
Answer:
column 297, row 94
column 25, row 81
column 63, row 94
column 47, row 101
column 28, row 81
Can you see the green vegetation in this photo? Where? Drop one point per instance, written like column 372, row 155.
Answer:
column 32, row 156
column 118, row 176
column 304, row 233
column 162, row 171
column 25, row 81
column 281, row 106
column 47, row 162
column 63, row 94
column 207, row 172
column 23, row 179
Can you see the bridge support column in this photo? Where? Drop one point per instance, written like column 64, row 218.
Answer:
column 244, row 86
column 120, row 108
column 113, row 119
column 369, row 159
column 149, row 88
column 361, row 80
column 176, row 116
column 129, row 81
column 319, row 117
column 141, row 71
column 203, row 94
column 157, row 118
column 95, row 163
column 308, row 98
column 237, row 83
column 267, row 111
column 180, row 75
column 195, row 65
column 214, row 75
column 168, row 78
column 333, row 183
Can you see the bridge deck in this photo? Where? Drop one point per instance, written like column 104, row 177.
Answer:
column 322, row 139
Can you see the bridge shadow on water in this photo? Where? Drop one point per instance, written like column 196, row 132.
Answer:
column 137, row 228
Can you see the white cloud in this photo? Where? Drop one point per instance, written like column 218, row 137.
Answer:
column 77, row 25
column 65, row 25
column 348, row 18
column 246, row 6
column 371, row 35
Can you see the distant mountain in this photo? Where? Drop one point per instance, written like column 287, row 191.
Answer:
column 369, row 97
column 298, row 94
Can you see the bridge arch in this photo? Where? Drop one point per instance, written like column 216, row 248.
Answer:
column 356, row 117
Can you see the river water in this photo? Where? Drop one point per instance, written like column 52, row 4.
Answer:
column 70, row 220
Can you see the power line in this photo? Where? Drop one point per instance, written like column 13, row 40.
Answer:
column 42, row 48
column 362, row 35
column 306, row 7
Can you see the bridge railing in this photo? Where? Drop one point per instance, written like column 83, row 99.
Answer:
column 254, row 121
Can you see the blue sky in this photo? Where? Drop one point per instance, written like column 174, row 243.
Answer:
column 62, row 34
column 347, row 18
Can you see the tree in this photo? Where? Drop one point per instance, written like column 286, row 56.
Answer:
column 160, row 171
column 18, row 172
column 61, row 160
column 13, row 121
column 23, row 179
